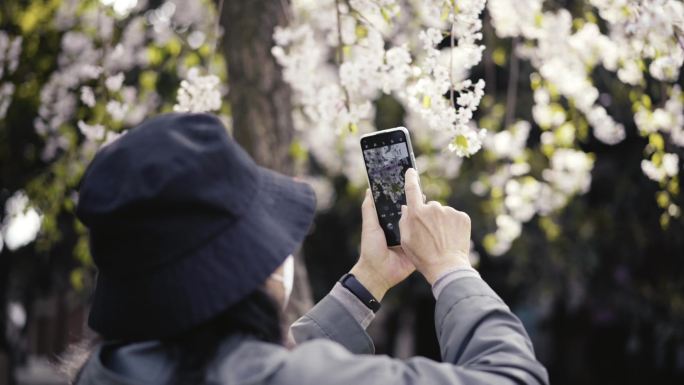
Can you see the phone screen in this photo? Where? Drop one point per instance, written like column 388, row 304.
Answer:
column 387, row 157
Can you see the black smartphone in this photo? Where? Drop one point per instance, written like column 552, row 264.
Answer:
column 387, row 155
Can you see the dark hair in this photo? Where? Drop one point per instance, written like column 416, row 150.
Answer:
column 256, row 315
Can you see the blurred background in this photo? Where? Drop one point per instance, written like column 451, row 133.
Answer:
column 573, row 189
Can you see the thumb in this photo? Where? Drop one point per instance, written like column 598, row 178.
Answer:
column 368, row 214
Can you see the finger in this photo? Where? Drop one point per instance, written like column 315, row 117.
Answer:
column 403, row 218
column 369, row 217
column 403, row 229
column 414, row 197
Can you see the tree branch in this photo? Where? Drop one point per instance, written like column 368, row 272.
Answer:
column 512, row 92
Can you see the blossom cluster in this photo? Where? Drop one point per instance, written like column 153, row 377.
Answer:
column 668, row 166
column 340, row 57
column 92, row 68
column 642, row 39
column 10, row 51
column 198, row 93
column 21, row 222
column 644, row 30
column 565, row 56
column 668, row 119
column 657, row 123
column 523, row 195
column 111, row 57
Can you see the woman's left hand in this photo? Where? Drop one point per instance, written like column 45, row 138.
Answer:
column 379, row 267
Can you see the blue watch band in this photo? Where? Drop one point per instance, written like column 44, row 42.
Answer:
column 352, row 284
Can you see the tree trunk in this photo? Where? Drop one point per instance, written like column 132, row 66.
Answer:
column 6, row 347
column 260, row 100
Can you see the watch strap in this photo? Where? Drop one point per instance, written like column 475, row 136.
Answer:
column 352, row 284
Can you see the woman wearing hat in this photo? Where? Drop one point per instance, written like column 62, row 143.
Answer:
column 193, row 241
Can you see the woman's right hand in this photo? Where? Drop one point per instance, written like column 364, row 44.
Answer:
column 435, row 238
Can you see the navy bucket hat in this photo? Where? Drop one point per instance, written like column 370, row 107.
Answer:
column 183, row 224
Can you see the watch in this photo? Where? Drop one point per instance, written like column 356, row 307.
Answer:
column 352, row 284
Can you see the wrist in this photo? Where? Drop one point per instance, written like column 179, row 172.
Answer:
column 368, row 277
column 434, row 271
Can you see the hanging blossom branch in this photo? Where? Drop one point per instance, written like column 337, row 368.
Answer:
column 425, row 94
column 379, row 58
column 198, row 93
column 111, row 58
column 10, row 51
column 641, row 44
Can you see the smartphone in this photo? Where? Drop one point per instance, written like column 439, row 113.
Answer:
column 387, row 155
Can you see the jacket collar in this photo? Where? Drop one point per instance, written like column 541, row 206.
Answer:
column 153, row 362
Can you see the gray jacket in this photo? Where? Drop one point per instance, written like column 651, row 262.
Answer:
column 481, row 342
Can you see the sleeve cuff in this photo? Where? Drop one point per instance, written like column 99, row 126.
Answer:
column 333, row 320
column 446, row 278
column 360, row 312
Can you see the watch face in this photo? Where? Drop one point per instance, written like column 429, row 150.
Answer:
column 374, row 305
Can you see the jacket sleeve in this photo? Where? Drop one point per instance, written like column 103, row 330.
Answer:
column 481, row 341
column 339, row 317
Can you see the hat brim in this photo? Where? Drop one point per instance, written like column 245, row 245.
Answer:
column 210, row 279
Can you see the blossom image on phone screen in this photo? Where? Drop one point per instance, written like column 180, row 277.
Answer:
column 386, row 166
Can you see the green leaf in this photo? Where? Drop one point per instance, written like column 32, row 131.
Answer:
column 154, row 55
column 664, row 221
column 297, row 151
column 174, row 46
column 385, row 14
column 550, row 228
column 76, row 279
column 427, row 101
column 646, row 101
column 489, row 242
column 656, row 141
column 499, row 56
column 663, row 199
column 673, row 186
column 192, row 60
column 148, row 80
column 361, row 31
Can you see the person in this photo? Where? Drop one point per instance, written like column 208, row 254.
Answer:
column 193, row 245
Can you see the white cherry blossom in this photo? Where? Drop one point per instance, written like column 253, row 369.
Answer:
column 198, row 93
